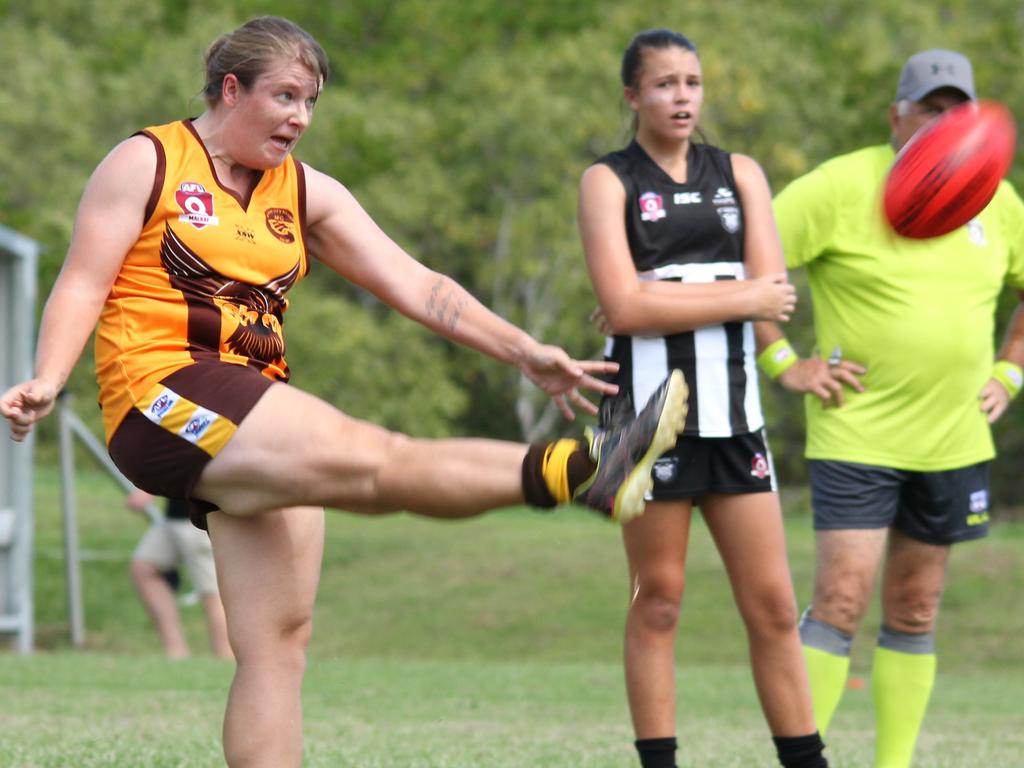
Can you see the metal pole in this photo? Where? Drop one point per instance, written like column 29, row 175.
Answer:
column 17, row 304
column 76, row 613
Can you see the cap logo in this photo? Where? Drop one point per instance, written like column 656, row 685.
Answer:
column 928, row 71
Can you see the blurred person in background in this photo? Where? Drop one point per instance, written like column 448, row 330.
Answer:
column 168, row 545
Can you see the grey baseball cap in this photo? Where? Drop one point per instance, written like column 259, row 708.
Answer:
column 928, row 71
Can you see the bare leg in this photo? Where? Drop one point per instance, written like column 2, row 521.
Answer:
column 293, row 450
column 656, row 549
column 158, row 598
column 845, row 569
column 747, row 529
column 268, row 568
column 912, row 585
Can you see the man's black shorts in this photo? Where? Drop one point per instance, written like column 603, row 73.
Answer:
column 934, row 507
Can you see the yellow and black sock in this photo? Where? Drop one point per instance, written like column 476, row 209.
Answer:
column 553, row 471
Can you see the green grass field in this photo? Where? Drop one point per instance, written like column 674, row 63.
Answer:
column 491, row 642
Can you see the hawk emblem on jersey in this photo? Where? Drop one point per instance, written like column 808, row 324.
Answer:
column 759, row 466
column 281, row 224
column 228, row 314
column 652, row 208
column 196, row 205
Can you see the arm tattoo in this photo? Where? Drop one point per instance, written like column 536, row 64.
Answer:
column 445, row 304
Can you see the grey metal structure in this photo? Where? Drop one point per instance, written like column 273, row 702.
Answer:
column 18, row 263
column 70, row 427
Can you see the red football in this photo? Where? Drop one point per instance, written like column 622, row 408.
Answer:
column 950, row 170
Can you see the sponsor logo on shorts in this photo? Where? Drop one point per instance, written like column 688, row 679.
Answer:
column 979, row 501
column 665, row 470
column 978, row 504
column 198, row 425
column 651, row 207
column 196, row 205
column 159, row 408
column 759, row 466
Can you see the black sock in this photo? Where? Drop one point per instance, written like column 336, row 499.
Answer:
column 801, row 751
column 657, row 753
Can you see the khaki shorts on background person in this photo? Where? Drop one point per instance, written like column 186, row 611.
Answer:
column 170, row 542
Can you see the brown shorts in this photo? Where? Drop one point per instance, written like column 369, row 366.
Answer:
column 163, row 444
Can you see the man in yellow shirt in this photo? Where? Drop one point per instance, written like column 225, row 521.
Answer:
column 899, row 471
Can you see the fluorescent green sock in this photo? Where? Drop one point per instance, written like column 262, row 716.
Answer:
column 827, row 674
column 901, row 681
column 827, row 654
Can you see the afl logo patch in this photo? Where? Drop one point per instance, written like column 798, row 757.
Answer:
column 281, row 224
column 196, row 204
column 651, row 207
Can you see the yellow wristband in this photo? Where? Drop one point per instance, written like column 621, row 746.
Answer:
column 1009, row 375
column 776, row 358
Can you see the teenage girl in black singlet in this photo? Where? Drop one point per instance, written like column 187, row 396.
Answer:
column 684, row 258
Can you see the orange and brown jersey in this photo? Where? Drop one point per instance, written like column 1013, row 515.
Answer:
column 206, row 279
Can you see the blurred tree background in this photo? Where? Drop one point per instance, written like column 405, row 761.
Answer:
column 463, row 128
